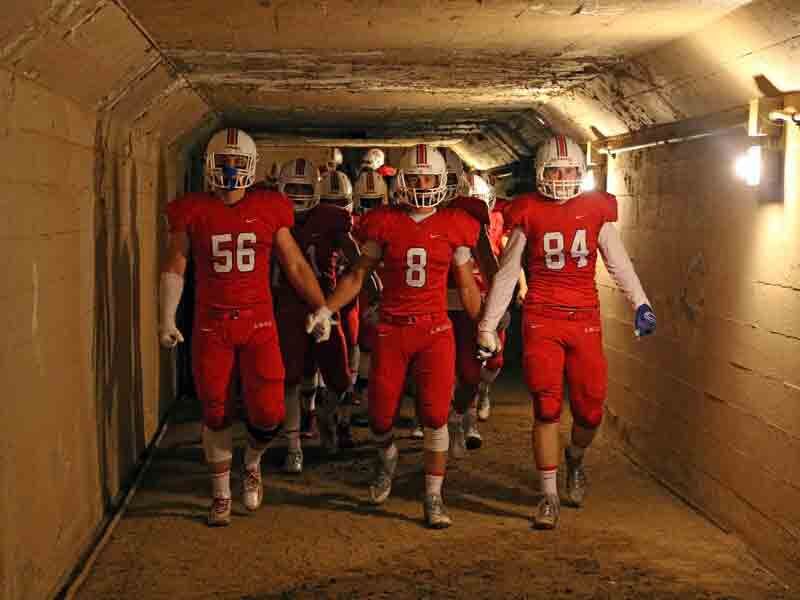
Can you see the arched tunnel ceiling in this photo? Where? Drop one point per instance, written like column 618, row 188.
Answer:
column 476, row 72
column 417, row 70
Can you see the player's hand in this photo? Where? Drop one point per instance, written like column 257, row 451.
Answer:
column 645, row 321
column 318, row 324
column 169, row 335
column 488, row 345
column 505, row 321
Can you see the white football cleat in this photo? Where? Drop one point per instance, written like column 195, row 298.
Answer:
column 381, row 486
column 436, row 516
column 219, row 513
column 253, row 491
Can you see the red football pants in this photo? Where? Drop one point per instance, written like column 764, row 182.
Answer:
column 350, row 323
column 302, row 354
column 468, row 368
column 556, row 343
column 428, row 347
column 220, row 338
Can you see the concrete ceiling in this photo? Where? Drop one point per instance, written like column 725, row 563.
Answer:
column 424, row 69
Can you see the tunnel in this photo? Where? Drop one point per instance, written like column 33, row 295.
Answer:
column 688, row 113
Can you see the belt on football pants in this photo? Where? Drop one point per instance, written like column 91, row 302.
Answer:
column 232, row 314
column 413, row 319
column 565, row 313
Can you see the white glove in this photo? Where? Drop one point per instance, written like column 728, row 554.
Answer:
column 318, row 324
column 488, row 345
column 169, row 335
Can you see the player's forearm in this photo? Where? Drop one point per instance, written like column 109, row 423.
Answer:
column 471, row 300
column 304, row 281
column 346, row 290
column 619, row 265
column 169, row 295
column 504, row 281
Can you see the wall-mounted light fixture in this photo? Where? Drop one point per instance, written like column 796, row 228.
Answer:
column 748, row 166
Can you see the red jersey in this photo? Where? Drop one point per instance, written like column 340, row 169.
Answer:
column 562, row 245
column 231, row 245
column 318, row 237
column 417, row 256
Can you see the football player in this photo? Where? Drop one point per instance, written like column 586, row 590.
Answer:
column 561, row 230
column 231, row 234
column 471, row 372
column 418, row 245
column 323, row 235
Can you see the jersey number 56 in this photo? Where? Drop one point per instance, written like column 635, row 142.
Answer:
column 223, row 253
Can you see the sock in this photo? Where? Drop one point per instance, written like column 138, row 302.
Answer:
column 548, row 479
column 455, row 419
column 293, row 440
column 389, row 453
column 575, row 453
column 252, row 458
column 221, row 484
column 433, row 484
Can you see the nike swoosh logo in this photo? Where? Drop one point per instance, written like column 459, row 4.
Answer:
column 250, row 220
column 580, row 216
column 435, row 236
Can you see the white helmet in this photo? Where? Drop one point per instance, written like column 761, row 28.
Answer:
column 422, row 160
column 236, row 144
column 301, row 174
column 475, row 186
column 559, row 151
column 370, row 191
column 333, row 158
column 336, row 189
column 374, row 159
column 455, row 172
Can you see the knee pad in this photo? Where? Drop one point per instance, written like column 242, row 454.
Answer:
column 436, row 440
column 263, row 436
column 546, row 408
column 218, row 444
column 587, row 411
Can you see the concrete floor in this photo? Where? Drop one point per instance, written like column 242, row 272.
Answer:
column 316, row 537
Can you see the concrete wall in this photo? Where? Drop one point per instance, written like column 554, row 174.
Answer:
column 92, row 123
column 711, row 404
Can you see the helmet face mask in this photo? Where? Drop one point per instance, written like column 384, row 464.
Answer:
column 455, row 172
column 336, row 189
column 560, row 166
column 299, row 182
column 231, row 158
column 428, row 165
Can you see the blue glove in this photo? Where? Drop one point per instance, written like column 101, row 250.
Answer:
column 645, row 321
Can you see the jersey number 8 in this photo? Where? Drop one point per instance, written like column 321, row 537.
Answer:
column 417, row 260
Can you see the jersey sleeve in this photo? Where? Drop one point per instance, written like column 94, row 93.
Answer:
column 466, row 230
column 282, row 210
column 517, row 214
column 475, row 207
column 179, row 214
column 373, row 226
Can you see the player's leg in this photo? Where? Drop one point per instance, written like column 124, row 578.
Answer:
column 434, row 370
column 263, row 374
column 387, row 377
column 489, row 373
column 543, row 363
column 212, row 364
column 587, row 376
column 468, row 374
column 295, row 347
column 331, row 357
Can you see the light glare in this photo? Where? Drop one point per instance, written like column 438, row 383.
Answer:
column 588, row 183
column 748, row 166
